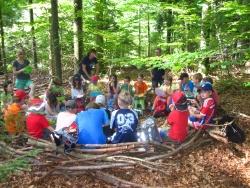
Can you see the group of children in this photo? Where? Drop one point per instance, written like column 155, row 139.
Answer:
column 94, row 115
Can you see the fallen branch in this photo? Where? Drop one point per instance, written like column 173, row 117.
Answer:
column 93, row 167
column 182, row 146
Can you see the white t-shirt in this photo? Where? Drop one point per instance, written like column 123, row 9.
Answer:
column 76, row 92
column 64, row 119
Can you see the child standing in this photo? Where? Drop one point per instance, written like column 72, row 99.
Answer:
column 177, row 119
column 186, row 85
column 124, row 121
column 206, row 113
column 140, row 92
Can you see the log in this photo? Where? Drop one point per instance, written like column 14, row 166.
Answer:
column 165, row 146
column 92, row 167
column 110, row 145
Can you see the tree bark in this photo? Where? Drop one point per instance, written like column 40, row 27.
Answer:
column 56, row 48
column 78, row 33
column 139, row 34
column 3, row 56
column 149, row 43
column 34, row 51
column 99, row 8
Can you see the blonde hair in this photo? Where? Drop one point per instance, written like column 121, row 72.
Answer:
column 198, row 76
column 125, row 98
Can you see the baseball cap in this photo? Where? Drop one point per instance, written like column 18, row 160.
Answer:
column 94, row 78
column 100, row 99
column 180, row 100
column 36, row 102
column 70, row 104
column 20, row 94
column 206, row 86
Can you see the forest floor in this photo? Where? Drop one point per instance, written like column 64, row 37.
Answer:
column 212, row 165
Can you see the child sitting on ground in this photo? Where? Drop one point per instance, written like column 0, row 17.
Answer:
column 127, row 87
column 215, row 94
column 198, row 118
column 124, row 121
column 94, row 88
column 6, row 96
column 76, row 87
column 65, row 119
column 186, row 85
column 14, row 115
column 52, row 107
column 36, row 122
column 140, row 92
column 197, row 78
column 177, row 119
column 113, row 89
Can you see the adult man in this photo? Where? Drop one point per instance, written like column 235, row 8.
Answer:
column 157, row 74
column 87, row 65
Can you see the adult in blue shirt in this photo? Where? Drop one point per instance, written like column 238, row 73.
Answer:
column 87, row 65
column 90, row 125
column 157, row 74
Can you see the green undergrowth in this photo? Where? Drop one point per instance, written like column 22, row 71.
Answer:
column 235, row 85
column 18, row 164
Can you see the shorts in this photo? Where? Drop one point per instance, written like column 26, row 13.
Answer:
column 196, row 123
column 23, row 84
column 164, row 133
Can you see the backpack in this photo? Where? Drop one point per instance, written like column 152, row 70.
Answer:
column 148, row 131
column 235, row 134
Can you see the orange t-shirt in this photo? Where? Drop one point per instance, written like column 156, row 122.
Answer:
column 14, row 119
column 140, row 88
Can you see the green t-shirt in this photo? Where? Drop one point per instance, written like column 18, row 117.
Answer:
column 127, row 88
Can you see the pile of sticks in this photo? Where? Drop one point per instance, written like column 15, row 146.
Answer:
column 95, row 159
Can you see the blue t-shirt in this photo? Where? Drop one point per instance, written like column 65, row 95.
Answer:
column 90, row 123
column 188, row 88
column 125, row 122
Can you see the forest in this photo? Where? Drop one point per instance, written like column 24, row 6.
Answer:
column 211, row 37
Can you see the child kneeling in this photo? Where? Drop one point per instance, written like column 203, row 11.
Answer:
column 124, row 121
column 177, row 119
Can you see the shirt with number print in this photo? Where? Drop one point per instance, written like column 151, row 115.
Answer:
column 124, row 121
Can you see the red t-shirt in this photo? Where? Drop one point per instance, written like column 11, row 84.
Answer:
column 208, row 109
column 36, row 123
column 178, row 121
column 140, row 87
column 160, row 104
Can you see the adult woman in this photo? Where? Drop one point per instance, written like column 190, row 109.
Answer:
column 22, row 70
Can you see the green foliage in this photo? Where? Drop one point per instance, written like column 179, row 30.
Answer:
column 28, row 70
column 112, row 27
column 17, row 164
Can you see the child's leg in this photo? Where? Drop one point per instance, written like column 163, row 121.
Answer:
column 136, row 103
column 142, row 103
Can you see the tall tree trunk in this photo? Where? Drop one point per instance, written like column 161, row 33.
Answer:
column 56, row 48
column 170, row 36
column 78, row 33
column 3, row 56
column 149, row 43
column 204, row 67
column 139, row 34
column 99, row 8
column 34, row 52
